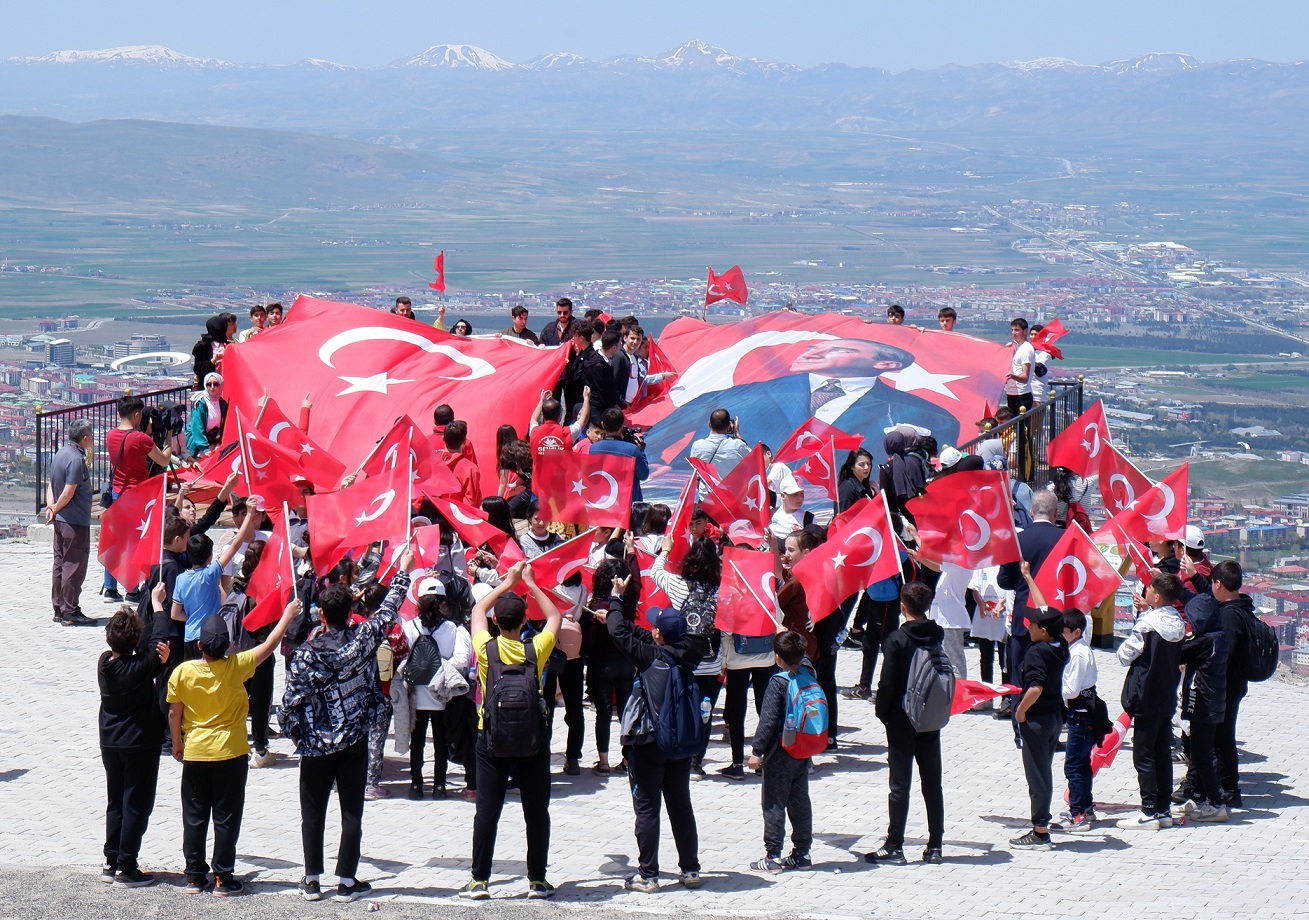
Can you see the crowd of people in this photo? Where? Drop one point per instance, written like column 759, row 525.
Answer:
column 488, row 656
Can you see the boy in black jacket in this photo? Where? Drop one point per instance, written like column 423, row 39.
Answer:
column 1039, row 713
column 652, row 775
column 905, row 746
column 1236, row 611
column 1204, row 705
column 786, row 778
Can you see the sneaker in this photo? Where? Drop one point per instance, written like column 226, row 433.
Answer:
column 196, row 884
column 689, row 880
column 1078, row 824
column 476, row 890
column 572, row 767
column 1181, row 811
column 797, row 861
column 1232, row 798
column 600, row 769
column 262, row 759
column 1181, row 794
column 933, row 855
column 415, row 792
column 831, row 746
column 373, row 793
column 1165, row 820
column 112, row 596
column 225, row 886
column 311, row 891
column 1210, row 813
column 1140, row 822
column 857, row 692
column 540, row 889
column 78, row 618
column 439, row 792
column 886, row 854
column 640, row 883
column 697, row 770
column 1032, row 841
column 732, row 771
column 347, row 893
column 108, row 874
column 135, row 878
column 468, row 795
column 768, row 864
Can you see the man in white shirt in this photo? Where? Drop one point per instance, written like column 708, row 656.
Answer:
column 787, row 518
column 1018, row 382
column 1079, row 680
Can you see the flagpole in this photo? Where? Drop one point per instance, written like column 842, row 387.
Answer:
column 290, row 556
column 745, row 581
column 163, row 506
column 245, row 459
column 409, row 506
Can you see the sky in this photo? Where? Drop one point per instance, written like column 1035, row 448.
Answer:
column 895, row 36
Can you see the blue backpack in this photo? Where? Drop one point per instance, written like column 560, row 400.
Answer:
column 806, row 710
column 679, row 731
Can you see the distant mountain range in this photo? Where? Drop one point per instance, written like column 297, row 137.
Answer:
column 693, row 88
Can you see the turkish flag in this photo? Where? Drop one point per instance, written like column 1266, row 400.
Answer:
column 366, row 367
column 1076, row 573
column 132, row 531
column 590, row 490
column 747, row 596
column 659, row 378
column 1103, row 754
column 268, row 471
column 740, row 495
column 730, row 285
column 553, row 567
column 1083, row 445
column 841, row 521
column 471, row 524
column 863, row 553
column 651, row 594
column 679, row 525
column 1121, row 483
column 1050, row 333
column 968, row 693
column 431, row 477
column 375, row 509
column 1160, row 513
column 316, row 463
column 967, row 518
column 811, row 437
column 821, row 469
column 438, row 265
column 273, row 581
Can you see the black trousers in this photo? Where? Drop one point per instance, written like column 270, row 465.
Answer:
column 739, row 681
column 785, row 793
column 532, row 775
column 609, row 684
column 131, row 777
column 212, row 789
column 1040, row 735
column 440, row 748
column 260, row 690
column 883, row 617
column 1229, row 774
column 710, row 685
column 1202, row 772
column 991, row 651
column 905, row 747
column 1019, row 401
column 655, row 778
column 573, row 685
column 1152, row 756
column 348, row 770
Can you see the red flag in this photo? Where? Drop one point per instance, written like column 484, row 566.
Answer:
column 268, row 472
column 1076, row 573
column 553, row 567
column 365, row 365
column 810, row 438
column 1159, row 514
column 680, row 526
column 821, row 469
column 316, row 463
column 471, row 524
column 1082, row 446
column 590, row 490
column 651, row 594
column 132, row 532
column 375, row 509
column 864, row 553
column 968, row 519
column 659, row 377
column 841, row 521
column 747, row 597
column 968, row 693
column 273, row 581
column 1050, row 333
column 1121, row 483
column 740, row 495
column 987, row 411
column 1103, row 754
column 431, row 477
column 730, row 285
column 438, row 265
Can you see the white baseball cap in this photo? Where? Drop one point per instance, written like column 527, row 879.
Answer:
column 1194, row 538
column 431, row 585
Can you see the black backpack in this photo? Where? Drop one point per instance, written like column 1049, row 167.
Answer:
column 424, row 660
column 1256, row 658
column 513, row 713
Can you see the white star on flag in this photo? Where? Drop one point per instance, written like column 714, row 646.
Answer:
column 374, row 384
column 838, row 560
column 145, row 525
column 916, row 377
column 578, row 487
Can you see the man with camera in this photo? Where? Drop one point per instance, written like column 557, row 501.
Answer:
column 623, row 442
column 130, row 449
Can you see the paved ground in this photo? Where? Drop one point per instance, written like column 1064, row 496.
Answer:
column 416, row 853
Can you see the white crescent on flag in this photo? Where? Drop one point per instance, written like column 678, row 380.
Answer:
column 1078, row 569
column 983, row 531
column 385, row 499
column 608, row 501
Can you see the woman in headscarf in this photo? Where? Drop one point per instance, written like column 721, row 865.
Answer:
column 208, row 416
column 906, row 474
column 208, row 352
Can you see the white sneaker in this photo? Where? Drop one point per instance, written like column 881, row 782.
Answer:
column 266, row 759
column 1140, row 822
column 1165, row 820
column 1210, row 813
column 1186, row 808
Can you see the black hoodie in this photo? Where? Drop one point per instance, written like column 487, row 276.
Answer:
column 1234, row 615
column 638, row 646
column 897, row 651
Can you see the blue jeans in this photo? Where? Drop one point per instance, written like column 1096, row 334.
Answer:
column 111, row 584
column 1077, row 763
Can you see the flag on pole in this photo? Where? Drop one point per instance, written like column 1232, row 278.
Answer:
column 438, row 265
column 730, row 285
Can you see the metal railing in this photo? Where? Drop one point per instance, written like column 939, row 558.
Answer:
column 52, row 433
column 1027, row 435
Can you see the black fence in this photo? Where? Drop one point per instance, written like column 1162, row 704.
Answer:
column 52, row 433
column 1026, row 436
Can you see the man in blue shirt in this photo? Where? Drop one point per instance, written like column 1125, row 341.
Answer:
column 615, row 443
column 68, row 508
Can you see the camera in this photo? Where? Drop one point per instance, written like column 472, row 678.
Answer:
column 634, row 435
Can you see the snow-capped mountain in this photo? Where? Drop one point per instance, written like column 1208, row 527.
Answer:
column 459, row 57
column 558, row 60
column 1154, row 62
column 128, row 54
column 700, row 56
column 1047, row 63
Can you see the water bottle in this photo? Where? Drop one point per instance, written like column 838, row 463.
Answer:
column 842, row 636
column 706, row 707
column 788, row 734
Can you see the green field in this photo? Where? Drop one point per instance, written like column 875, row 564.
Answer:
column 1093, row 356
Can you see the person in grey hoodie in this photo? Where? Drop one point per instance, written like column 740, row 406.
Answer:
column 1153, row 655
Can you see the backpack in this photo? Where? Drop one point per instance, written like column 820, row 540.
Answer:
column 679, row 731
column 1256, row 658
column 513, row 713
column 1022, row 502
column 233, row 613
column 806, row 711
column 929, row 692
column 424, row 660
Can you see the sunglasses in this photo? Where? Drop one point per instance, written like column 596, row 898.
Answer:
column 212, row 386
